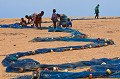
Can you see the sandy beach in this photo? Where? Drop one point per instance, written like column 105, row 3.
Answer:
column 18, row 40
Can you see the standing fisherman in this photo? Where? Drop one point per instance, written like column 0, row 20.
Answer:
column 97, row 11
column 54, row 18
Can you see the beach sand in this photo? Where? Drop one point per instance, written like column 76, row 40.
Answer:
column 18, row 40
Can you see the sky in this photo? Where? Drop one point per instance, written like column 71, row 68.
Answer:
column 20, row 8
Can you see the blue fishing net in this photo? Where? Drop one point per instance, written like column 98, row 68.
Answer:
column 17, row 26
column 70, row 75
column 23, row 65
column 98, row 67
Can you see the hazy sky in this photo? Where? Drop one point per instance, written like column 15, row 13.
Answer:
column 19, row 8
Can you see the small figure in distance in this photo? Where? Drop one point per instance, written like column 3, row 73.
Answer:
column 69, row 23
column 97, row 11
column 23, row 22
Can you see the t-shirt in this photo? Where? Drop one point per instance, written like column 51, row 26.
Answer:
column 69, row 24
column 97, row 9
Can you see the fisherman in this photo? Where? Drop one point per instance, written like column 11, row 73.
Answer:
column 31, row 18
column 63, row 20
column 69, row 23
column 54, row 18
column 97, row 11
column 38, row 20
column 23, row 22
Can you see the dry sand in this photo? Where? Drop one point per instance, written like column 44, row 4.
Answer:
column 17, row 40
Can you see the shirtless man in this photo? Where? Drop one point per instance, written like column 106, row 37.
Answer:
column 31, row 18
column 23, row 22
column 38, row 20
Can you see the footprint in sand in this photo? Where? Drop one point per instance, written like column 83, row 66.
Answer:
column 109, row 31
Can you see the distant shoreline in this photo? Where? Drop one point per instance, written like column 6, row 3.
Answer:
column 79, row 17
column 92, row 18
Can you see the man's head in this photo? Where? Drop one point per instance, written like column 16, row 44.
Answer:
column 22, row 19
column 26, row 16
column 68, row 19
column 42, row 13
column 98, row 5
column 54, row 10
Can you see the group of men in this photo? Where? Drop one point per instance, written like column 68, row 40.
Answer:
column 63, row 21
column 57, row 19
column 36, row 20
column 60, row 20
